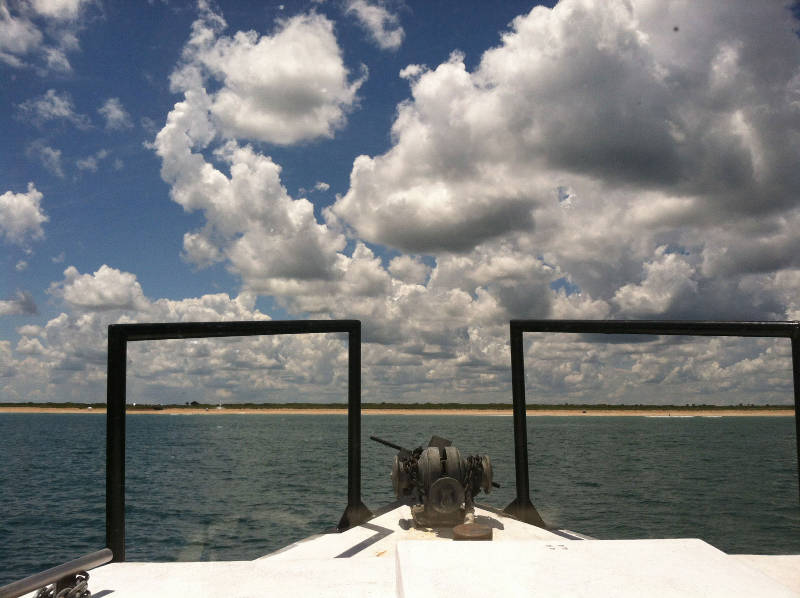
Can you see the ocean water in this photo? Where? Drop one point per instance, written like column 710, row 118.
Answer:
column 240, row 486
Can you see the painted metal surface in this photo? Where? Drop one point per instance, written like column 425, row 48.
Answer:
column 387, row 557
column 585, row 569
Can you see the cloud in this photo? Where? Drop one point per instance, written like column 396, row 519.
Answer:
column 91, row 163
column 700, row 370
column 454, row 355
column 52, row 106
column 271, row 240
column 592, row 135
column 250, row 219
column 48, row 156
column 7, row 369
column 59, row 9
column 666, row 280
column 56, row 59
column 41, row 31
column 438, row 189
column 589, row 92
column 22, row 304
column 284, row 88
column 384, row 27
column 409, row 269
column 106, row 289
column 21, row 216
column 590, row 166
column 18, row 37
column 66, row 358
column 87, row 163
column 115, row 115
column 149, row 125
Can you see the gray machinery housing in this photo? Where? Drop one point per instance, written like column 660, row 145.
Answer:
column 439, row 481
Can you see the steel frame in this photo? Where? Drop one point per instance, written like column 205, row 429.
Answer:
column 522, row 507
column 118, row 337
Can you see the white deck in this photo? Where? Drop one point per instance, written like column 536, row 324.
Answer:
column 388, row 557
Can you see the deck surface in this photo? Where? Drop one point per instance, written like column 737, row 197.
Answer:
column 389, row 557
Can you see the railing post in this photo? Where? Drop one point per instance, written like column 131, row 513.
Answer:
column 115, row 443
column 521, row 507
column 356, row 511
column 796, row 380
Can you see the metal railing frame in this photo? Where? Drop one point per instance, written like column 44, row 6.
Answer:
column 55, row 574
column 522, row 507
column 118, row 337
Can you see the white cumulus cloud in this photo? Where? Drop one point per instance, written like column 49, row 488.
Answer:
column 651, row 136
column 66, row 358
column 250, row 218
column 666, row 280
column 21, row 216
column 283, row 88
column 106, row 289
column 300, row 92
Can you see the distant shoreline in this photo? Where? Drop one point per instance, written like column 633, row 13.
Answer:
column 539, row 411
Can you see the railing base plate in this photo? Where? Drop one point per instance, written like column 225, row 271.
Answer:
column 525, row 511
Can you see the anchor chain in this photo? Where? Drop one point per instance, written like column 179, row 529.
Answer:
column 409, row 466
column 473, row 477
column 73, row 586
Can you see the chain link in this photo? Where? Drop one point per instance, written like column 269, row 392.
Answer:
column 472, row 477
column 78, row 587
column 409, row 466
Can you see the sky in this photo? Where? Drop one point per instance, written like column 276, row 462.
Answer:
column 432, row 169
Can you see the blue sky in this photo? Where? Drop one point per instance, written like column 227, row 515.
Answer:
column 433, row 170
column 110, row 211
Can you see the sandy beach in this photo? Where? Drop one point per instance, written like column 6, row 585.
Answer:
column 576, row 412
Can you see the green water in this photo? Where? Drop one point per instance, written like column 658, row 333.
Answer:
column 239, row 486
